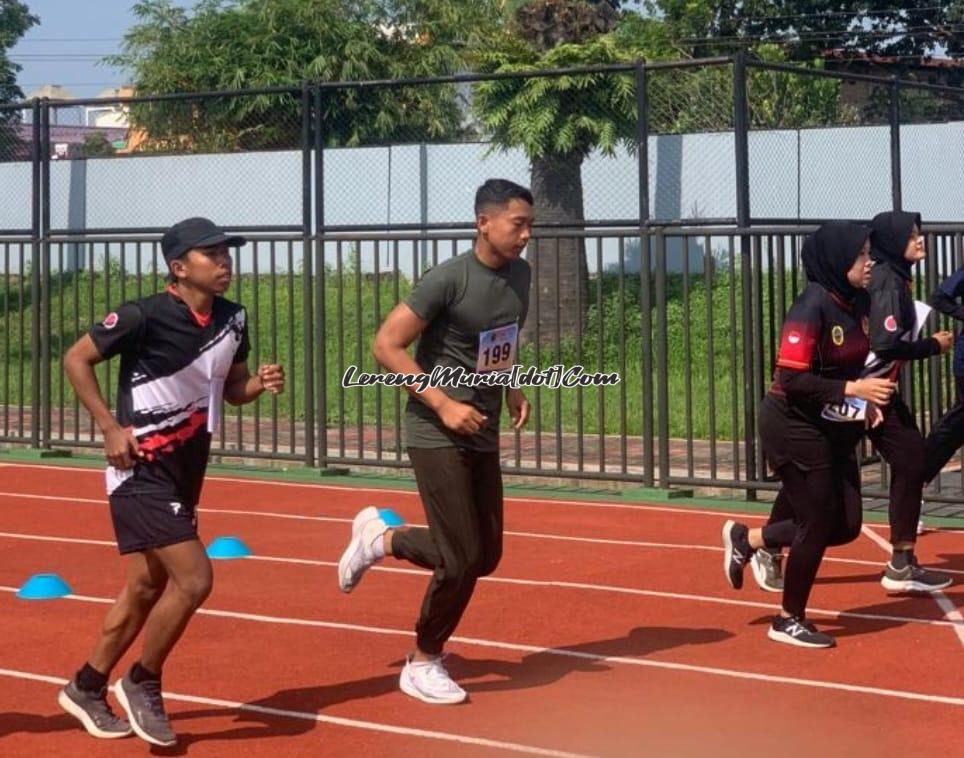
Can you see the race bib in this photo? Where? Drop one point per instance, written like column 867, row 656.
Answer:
column 851, row 409
column 497, row 348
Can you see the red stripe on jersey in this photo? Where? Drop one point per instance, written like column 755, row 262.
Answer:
column 166, row 443
column 798, row 342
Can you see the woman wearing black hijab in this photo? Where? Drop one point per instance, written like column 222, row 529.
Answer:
column 896, row 245
column 810, row 422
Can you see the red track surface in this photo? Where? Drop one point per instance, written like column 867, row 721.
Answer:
column 630, row 651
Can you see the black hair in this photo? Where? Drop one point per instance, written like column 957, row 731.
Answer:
column 500, row 192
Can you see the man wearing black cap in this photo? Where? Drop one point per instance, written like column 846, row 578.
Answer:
column 182, row 351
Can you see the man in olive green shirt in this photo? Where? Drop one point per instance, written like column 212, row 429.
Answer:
column 467, row 314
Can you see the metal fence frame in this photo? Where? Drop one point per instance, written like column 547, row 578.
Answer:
column 746, row 231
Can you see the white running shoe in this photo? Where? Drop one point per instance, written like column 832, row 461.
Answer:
column 430, row 682
column 920, row 527
column 359, row 555
column 768, row 570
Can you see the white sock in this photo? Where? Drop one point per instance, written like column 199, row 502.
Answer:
column 378, row 547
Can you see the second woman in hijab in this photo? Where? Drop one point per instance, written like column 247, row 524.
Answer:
column 896, row 246
column 810, row 422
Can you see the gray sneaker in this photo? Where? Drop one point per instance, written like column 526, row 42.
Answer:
column 768, row 570
column 92, row 710
column 913, row 578
column 145, row 709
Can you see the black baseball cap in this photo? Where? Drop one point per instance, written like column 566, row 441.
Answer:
column 195, row 232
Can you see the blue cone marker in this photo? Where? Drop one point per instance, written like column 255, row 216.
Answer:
column 226, row 548
column 44, row 587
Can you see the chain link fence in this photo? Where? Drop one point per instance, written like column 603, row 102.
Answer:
column 16, row 167
column 692, row 144
column 931, row 161
column 350, row 192
column 151, row 160
column 819, row 145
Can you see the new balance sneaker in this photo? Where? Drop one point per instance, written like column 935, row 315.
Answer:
column 913, row 578
column 93, row 711
column 359, row 556
column 768, row 570
column 429, row 681
column 736, row 552
column 145, row 710
column 795, row 631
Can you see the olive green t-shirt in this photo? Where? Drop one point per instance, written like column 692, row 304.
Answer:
column 474, row 316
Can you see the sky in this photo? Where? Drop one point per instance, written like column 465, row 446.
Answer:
column 65, row 47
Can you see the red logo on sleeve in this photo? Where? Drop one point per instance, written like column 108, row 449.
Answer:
column 890, row 324
column 110, row 321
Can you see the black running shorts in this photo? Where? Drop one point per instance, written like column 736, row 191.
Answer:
column 144, row 522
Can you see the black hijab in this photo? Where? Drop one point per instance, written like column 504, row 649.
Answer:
column 889, row 235
column 829, row 253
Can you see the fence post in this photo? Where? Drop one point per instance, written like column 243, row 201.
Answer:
column 321, row 312
column 662, row 360
column 645, row 289
column 308, row 243
column 741, row 129
column 895, row 177
column 37, row 147
column 45, row 338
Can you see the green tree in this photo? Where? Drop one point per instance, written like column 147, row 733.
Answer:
column 807, row 29
column 895, row 36
column 96, row 145
column 15, row 21
column 558, row 121
column 261, row 43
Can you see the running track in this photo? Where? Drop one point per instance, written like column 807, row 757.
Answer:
column 607, row 630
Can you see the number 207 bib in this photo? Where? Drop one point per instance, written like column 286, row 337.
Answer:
column 497, row 348
column 851, row 409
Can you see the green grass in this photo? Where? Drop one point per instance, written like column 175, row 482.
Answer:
column 698, row 310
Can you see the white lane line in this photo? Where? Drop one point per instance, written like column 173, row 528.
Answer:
column 583, row 586
column 413, row 494
column 339, row 520
column 950, row 611
column 371, row 726
column 566, row 653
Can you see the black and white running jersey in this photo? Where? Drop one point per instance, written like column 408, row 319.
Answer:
column 173, row 366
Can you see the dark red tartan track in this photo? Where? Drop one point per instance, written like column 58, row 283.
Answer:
column 607, row 630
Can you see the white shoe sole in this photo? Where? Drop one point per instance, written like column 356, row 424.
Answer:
column 728, row 551
column 406, row 686
column 80, row 714
column 760, row 574
column 786, row 639
column 122, row 699
column 364, row 516
column 895, row 585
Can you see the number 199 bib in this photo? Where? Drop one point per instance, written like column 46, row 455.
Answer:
column 497, row 348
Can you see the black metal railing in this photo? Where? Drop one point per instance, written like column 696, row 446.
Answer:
column 685, row 306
